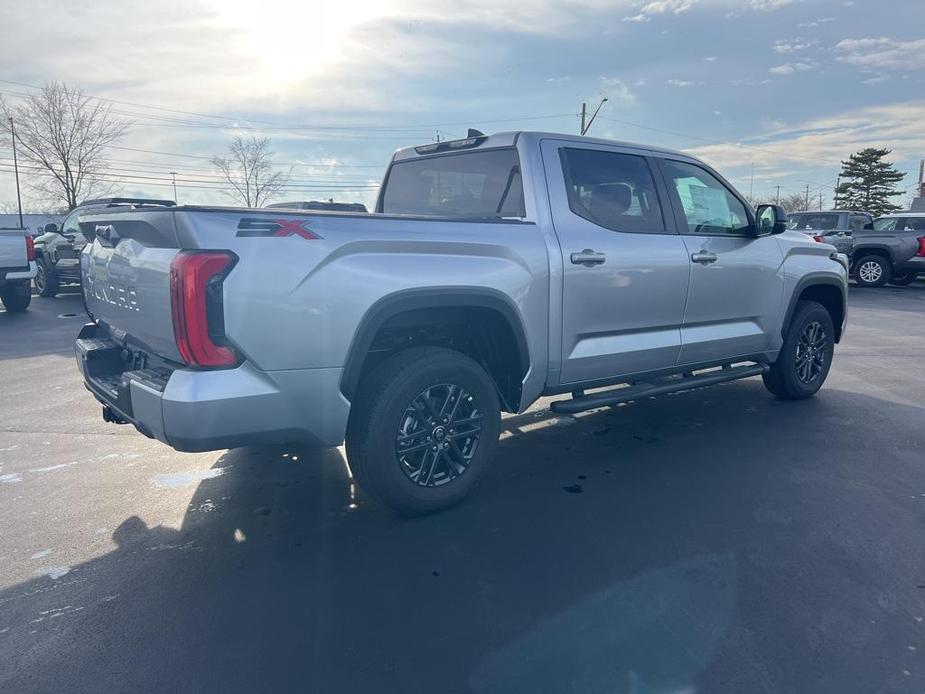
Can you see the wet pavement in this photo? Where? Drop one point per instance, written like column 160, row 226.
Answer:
column 716, row 540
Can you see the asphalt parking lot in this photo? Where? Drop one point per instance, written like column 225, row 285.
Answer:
column 716, row 540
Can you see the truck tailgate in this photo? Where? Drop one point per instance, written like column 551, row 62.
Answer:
column 125, row 273
column 13, row 250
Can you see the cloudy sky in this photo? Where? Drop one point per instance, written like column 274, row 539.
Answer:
column 772, row 92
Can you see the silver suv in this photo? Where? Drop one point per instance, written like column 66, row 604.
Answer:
column 495, row 270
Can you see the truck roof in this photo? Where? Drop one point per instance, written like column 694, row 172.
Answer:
column 509, row 139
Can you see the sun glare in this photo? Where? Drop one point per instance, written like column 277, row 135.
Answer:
column 290, row 41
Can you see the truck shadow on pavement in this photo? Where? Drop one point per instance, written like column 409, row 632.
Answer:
column 716, row 540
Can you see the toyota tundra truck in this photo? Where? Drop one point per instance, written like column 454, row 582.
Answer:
column 493, row 271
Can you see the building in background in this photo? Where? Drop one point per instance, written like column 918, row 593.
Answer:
column 33, row 222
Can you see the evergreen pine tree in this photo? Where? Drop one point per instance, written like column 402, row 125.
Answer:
column 868, row 182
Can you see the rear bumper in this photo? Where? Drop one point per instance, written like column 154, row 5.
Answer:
column 15, row 274
column 916, row 265
column 210, row 410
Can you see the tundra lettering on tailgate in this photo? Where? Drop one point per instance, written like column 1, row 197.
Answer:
column 257, row 226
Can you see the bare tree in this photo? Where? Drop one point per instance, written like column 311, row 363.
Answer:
column 249, row 170
column 796, row 202
column 62, row 134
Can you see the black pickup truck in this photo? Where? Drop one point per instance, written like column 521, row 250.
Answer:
column 892, row 252
column 57, row 249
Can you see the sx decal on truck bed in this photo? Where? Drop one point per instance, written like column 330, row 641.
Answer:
column 258, row 226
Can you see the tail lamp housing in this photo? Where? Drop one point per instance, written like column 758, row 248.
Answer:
column 30, row 248
column 921, row 252
column 196, row 279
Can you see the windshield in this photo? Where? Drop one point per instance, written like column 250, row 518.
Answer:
column 472, row 184
column 812, row 221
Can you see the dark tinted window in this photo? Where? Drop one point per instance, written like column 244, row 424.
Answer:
column 709, row 207
column 911, row 224
column 812, row 221
column 472, row 184
column 858, row 222
column 612, row 190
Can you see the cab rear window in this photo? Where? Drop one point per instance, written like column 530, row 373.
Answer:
column 485, row 184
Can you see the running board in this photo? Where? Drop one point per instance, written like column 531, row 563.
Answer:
column 645, row 390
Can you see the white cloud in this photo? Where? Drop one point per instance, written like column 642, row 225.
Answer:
column 815, row 22
column 656, row 7
column 790, row 68
column 883, row 53
column 682, row 83
column 826, row 141
column 793, row 45
column 616, row 89
column 710, row 59
column 768, row 5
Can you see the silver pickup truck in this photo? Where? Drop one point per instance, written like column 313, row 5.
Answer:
column 17, row 268
column 494, row 270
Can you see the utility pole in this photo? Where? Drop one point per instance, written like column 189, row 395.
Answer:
column 751, row 184
column 835, row 201
column 16, row 172
column 807, row 198
column 778, row 193
column 584, row 112
column 173, row 174
column 820, row 201
column 586, row 128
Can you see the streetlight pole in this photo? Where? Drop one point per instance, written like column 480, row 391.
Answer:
column 173, row 175
column 16, row 172
column 586, row 128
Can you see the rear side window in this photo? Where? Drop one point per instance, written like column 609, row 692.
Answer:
column 471, row 184
column 810, row 221
column 612, row 190
column 858, row 222
column 912, row 224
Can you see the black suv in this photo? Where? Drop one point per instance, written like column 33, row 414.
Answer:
column 57, row 250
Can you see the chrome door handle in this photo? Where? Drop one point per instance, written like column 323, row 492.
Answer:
column 588, row 258
column 704, row 258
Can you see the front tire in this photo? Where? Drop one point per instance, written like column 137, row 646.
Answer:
column 46, row 280
column 423, row 429
column 16, row 297
column 806, row 356
column 873, row 271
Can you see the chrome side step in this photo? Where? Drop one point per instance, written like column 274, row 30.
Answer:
column 673, row 384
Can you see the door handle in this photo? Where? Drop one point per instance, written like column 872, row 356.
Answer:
column 588, row 258
column 704, row 258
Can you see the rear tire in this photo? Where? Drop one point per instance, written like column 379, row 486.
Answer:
column 903, row 280
column 16, row 297
column 806, row 356
column 412, row 440
column 46, row 280
column 873, row 271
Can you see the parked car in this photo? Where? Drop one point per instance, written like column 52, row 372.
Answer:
column 892, row 251
column 17, row 268
column 495, row 270
column 58, row 250
column 319, row 205
column 836, row 227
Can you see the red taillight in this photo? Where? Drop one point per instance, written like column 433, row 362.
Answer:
column 819, row 239
column 195, row 297
column 30, row 248
column 921, row 252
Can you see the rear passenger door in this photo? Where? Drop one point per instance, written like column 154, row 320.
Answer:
column 625, row 269
column 736, row 285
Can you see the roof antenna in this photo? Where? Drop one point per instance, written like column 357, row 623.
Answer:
column 475, row 133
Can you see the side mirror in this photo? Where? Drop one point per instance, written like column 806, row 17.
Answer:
column 50, row 228
column 772, row 219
